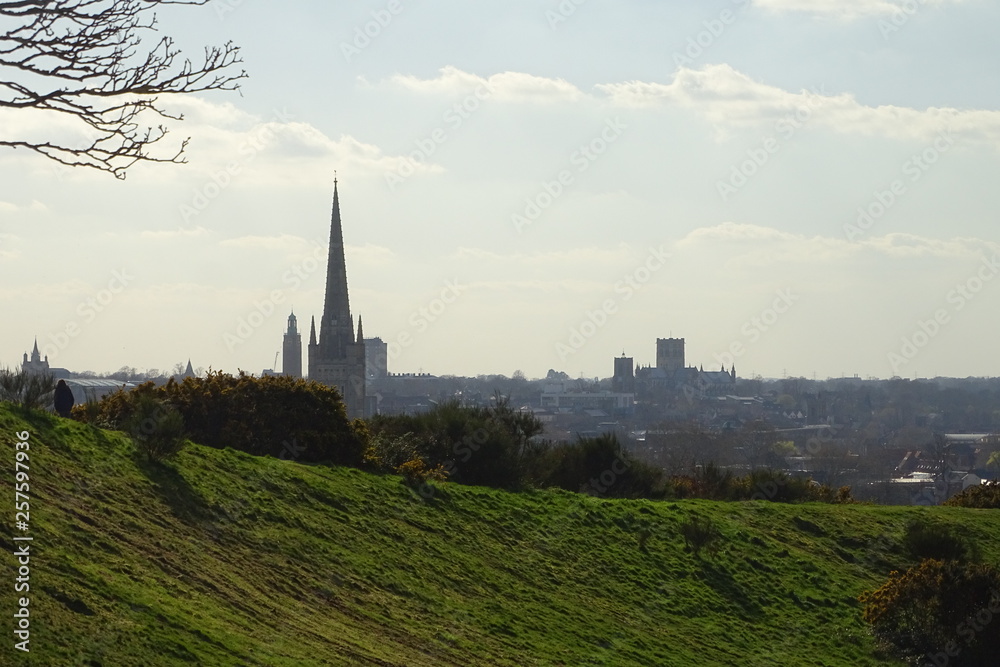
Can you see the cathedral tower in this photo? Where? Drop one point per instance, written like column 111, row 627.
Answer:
column 337, row 358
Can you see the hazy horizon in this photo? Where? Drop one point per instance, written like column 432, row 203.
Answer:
column 798, row 187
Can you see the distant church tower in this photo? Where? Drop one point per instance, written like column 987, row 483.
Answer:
column 670, row 354
column 291, row 351
column 624, row 377
column 36, row 365
column 337, row 357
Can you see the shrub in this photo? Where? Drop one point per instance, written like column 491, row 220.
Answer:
column 32, row 391
column 487, row 446
column 943, row 612
column 268, row 416
column 712, row 483
column 700, row 533
column 983, row 496
column 157, row 428
column 937, row 541
column 416, row 472
column 602, row 466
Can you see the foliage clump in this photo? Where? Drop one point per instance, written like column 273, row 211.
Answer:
column 600, row 466
column 274, row 415
column 933, row 540
column 494, row 445
column 982, row 496
column 31, row 391
column 939, row 612
column 156, row 427
column 699, row 532
column 713, row 483
column 500, row 446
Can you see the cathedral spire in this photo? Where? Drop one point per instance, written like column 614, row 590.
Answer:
column 361, row 334
column 312, row 331
column 336, row 304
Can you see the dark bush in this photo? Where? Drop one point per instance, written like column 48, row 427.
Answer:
column 983, row 496
column 939, row 613
column 487, row 446
column 156, row 427
column 924, row 539
column 32, row 391
column 601, row 466
column 276, row 416
column 700, row 533
column 713, row 483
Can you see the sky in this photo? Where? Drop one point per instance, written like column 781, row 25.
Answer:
column 795, row 187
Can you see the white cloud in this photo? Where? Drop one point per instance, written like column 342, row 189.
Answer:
column 179, row 233
column 846, row 9
column 729, row 98
column 505, row 86
column 282, row 243
column 582, row 257
column 370, row 255
column 35, row 206
column 755, row 243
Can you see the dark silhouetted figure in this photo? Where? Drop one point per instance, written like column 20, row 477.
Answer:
column 63, row 399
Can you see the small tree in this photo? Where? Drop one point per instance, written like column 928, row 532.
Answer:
column 700, row 533
column 983, row 496
column 157, row 428
column 926, row 539
column 32, row 391
column 943, row 612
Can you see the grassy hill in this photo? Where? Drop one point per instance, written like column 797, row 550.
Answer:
column 225, row 559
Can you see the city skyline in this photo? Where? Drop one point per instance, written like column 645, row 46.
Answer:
column 793, row 187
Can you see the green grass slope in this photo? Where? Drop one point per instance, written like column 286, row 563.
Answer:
column 225, row 559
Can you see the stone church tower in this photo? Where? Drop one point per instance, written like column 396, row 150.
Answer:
column 291, row 359
column 337, row 357
column 36, row 365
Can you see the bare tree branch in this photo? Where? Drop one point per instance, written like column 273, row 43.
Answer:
column 84, row 59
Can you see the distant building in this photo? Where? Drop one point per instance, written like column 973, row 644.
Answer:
column 376, row 358
column 188, row 373
column 670, row 354
column 94, row 389
column 561, row 397
column 36, row 364
column 291, row 360
column 337, row 356
column 623, row 380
